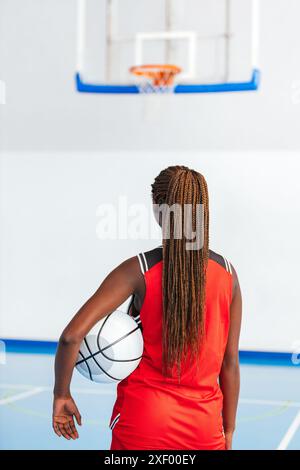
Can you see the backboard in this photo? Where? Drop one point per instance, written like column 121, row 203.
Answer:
column 214, row 42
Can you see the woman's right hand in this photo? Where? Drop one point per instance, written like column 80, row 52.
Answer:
column 64, row 410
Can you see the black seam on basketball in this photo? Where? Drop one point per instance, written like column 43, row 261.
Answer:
column 92, row 357
column 87, row 365
column 83, row 359
column 101, row 328
column 109, row 358
column 114, row 342
column 120, row 360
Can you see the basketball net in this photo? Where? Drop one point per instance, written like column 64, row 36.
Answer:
column 157, row 79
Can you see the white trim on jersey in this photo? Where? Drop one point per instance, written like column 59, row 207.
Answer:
column 144, row 258
column 228, row 265
column 141, row 263
column 114, row 422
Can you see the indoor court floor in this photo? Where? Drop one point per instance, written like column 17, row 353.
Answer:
column 268, row 415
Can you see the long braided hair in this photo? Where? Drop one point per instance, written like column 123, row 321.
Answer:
column 184, row 270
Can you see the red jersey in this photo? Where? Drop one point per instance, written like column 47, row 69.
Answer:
column 157, row 412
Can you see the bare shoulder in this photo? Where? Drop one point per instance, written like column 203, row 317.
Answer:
column 129, row 271
column 236, row 290
column 128, row 267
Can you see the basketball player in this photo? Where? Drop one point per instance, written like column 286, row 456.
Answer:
column 184, row 393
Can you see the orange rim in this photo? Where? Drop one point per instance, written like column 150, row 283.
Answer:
column 159, row 74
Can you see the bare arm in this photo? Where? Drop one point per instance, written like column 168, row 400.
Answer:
column 230, row 372
column 122, row 282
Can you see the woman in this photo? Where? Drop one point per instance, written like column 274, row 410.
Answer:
column 184, row 393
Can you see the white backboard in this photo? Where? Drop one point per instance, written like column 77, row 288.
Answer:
column 213, row 41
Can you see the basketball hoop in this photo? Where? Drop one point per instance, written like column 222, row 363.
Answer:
column 158, row 78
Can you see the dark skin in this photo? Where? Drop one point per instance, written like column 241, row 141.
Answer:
column 120, row 284
column 230, row 371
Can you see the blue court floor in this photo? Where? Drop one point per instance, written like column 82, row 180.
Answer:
column 268, row 416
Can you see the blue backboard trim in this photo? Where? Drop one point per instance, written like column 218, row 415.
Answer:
column 251, row 85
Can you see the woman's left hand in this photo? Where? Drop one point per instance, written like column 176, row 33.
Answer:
column 228, row 440
column 64, row 410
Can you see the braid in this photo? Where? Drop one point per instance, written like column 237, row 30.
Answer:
column 184, row 270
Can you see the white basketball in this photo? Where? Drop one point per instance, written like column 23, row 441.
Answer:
column 112, row 350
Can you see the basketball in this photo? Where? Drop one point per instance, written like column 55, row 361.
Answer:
column 112, row 350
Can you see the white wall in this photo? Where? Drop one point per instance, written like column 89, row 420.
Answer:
column 64, row 153
column 52, row 259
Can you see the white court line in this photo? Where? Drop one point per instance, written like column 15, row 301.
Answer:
column 293, row 404
column 16, row 386
column 21, row 396
column 102, row 391
column 290, row 433
column 34, row 391
column 88, row 391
